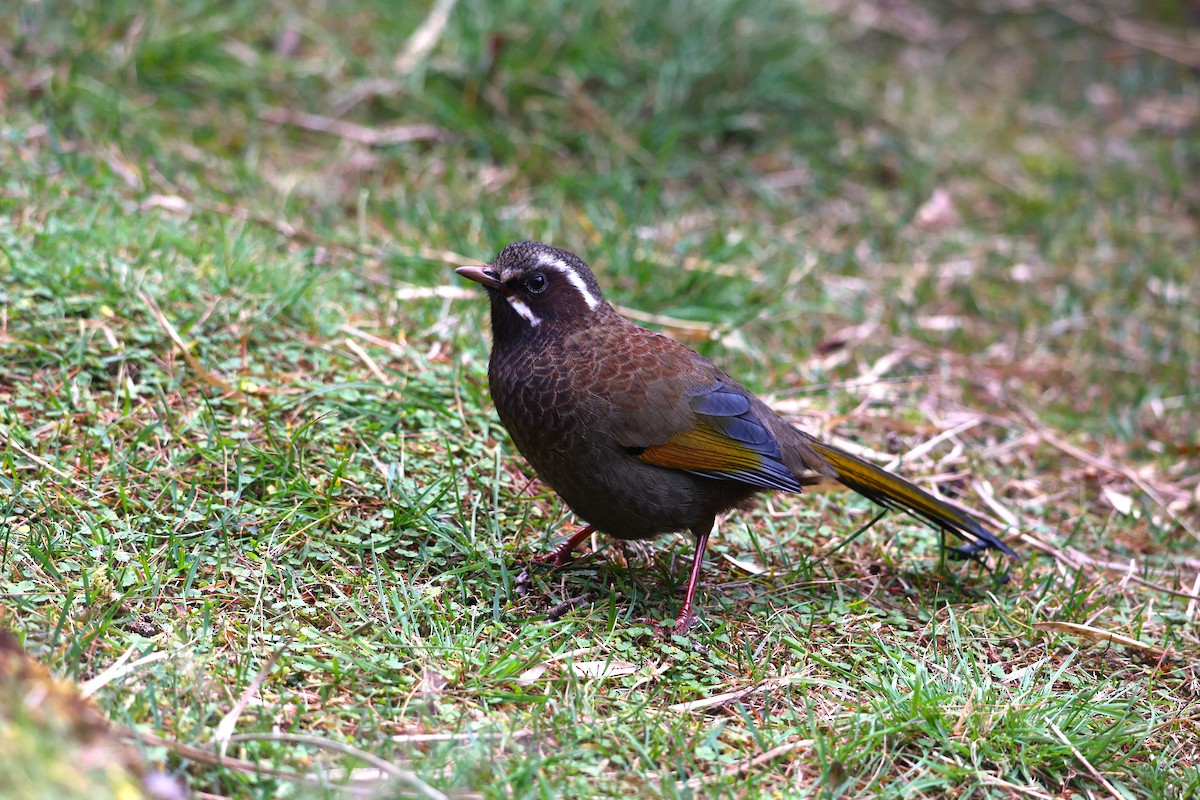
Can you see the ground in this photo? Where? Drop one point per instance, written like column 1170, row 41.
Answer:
column 255, row 502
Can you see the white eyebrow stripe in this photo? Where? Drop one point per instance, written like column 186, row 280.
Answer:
column 547, row 260
column 525, row 311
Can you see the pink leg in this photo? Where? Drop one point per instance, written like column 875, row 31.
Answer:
column 684, row 620
column 560, row 555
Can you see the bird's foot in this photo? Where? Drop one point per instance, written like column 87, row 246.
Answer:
column 683, row 622
column 562, row 554
column 551, row 560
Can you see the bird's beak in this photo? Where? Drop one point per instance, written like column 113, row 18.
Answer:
column 482, row 275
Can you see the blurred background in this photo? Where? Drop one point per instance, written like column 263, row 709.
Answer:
column 1016, row 179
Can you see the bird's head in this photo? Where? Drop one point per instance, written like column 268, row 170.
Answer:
column 533, row 285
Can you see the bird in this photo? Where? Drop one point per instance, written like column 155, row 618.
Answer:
column 640, row 435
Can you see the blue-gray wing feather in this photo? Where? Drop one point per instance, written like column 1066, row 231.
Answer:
column 732, row 413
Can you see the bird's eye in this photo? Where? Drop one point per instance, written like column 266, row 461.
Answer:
column 536, row 283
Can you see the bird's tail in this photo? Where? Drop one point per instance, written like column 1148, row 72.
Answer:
column 894, row 492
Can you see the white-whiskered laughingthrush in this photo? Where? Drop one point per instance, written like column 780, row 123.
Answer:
column 640, row 435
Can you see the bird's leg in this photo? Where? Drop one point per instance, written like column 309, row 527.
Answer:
column 558, row 556
column 684, row 620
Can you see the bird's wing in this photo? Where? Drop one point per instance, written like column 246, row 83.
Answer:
column 681, row 412
column 676, row 410
column 724, row 439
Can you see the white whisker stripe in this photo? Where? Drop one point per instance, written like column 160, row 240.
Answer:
column 525, row 311
column 547, row 260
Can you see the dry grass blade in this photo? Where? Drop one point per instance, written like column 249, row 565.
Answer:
column 204, row 756
column 378, row 341
column 929, row 444
column 1130, row 475
column 225, row 728
column 425, row 37
column 365, row 357
column 749, row 764
column 724, row 698
column 407, row 293
column 351, row 131
column 1095, row 773
column 424, row 738
column 1194, row 604
column 387, row 767
column 46, row 465
column 602, row 669
column 1099, row 634
column 1184, row 49
column 215, row 381
column 1016, row 788
column 119, row 669
column 988, row 495
column 687, row 327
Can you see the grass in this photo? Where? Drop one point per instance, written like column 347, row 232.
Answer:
column 246, row 432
